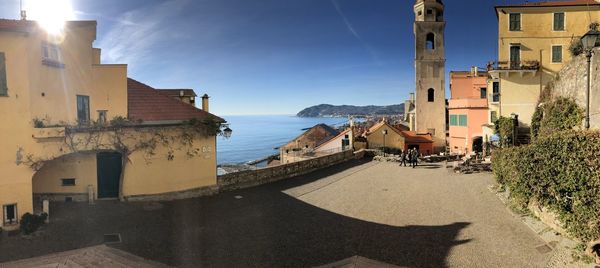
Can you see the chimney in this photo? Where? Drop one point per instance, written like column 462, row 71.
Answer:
column 205, row 102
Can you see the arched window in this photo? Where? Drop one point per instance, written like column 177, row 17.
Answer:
column 430, row 41
column 430, row 95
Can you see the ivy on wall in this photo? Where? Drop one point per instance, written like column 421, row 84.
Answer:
column 127, row 136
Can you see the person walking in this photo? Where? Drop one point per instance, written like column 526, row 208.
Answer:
column 403, row 157
column 414, row 157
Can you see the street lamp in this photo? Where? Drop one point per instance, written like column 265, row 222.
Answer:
column 588, row 41
column 384, row 132
column 227, row 132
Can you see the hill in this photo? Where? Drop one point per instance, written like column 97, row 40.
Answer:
column 328, row 110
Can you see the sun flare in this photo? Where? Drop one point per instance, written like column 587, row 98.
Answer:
column 50, row 14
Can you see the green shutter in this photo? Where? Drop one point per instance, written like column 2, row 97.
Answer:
column 559, row 21
column 453, row 120
column 462, row 120
column 556, row 53
column 3, row 84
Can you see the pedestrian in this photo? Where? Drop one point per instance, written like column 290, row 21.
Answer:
column 402, row 157
column 409, row 157
column 415, row 157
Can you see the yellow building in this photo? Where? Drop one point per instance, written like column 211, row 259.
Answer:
column 533, row 45
column 59, row 142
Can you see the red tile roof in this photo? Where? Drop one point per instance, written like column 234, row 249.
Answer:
column 556, row 3
column 172, row 92
column 148, row 104
column 412, row 136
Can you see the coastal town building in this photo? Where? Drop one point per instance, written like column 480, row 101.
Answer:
column 430, row 61
column 303, row 147
column 468, row 110
column 76, row 129
column 385, row 135
column 533, row 46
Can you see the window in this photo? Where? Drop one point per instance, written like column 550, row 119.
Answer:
column 68, row 182
column 420, row 12
column 556, row 54
column 83, row 109
column 559, row 22
column 430, row 41
column 462, row 120
column 429, row 11
column 495, row 91
column 514, row 22
column 493, row 117
column 10, row 214
column 454, row 120
column 431, row 131
column 102, row 116
column 431, row 95
column 515, row 56
column 3, row 85
column 483, row 93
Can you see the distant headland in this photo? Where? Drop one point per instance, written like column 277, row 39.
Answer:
column 328, row 110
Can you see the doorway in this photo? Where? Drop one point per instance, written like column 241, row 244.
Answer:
column 109, row 174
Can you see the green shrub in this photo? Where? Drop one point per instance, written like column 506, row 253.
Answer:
column 560, row 114
column 562, row 172
column 504, row 128
column 31, row 222
column 576, row 47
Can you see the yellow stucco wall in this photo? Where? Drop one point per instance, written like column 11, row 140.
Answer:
column 392, row 139
column 143, row 174
column 520, row 90
column 37, row 90
column 81, row 167
column 160, row 175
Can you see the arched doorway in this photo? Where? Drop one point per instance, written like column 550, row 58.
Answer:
column 477, row 144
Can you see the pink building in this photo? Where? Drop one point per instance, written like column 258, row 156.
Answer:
column 467, row 110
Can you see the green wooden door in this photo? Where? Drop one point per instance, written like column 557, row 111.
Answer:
column 109, row 173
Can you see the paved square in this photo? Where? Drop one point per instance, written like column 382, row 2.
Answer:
column 423, row 217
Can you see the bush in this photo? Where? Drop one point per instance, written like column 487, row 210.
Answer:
column 562, row 172
column 576, row 47
column 504, row 128
column 559, row 114
column 31, row 222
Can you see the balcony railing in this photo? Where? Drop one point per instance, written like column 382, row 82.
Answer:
column 513, row 65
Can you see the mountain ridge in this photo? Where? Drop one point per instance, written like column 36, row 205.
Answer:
column 329, row 110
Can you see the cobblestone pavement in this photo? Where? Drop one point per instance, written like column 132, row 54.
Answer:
column 423, row 217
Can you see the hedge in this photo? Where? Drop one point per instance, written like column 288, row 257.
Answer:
column 562, row 172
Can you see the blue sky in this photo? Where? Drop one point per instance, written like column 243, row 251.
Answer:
column 279, row 56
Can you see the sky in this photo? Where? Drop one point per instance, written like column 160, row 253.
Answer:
column 280, row 56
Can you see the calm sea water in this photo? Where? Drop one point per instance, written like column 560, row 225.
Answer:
column 255, row 137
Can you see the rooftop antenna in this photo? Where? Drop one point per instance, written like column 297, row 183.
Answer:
column 23, row 12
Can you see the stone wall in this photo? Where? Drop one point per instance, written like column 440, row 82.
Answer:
column 571, row 82
column 249, row 178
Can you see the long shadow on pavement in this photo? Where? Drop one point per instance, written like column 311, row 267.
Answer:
column 264, row 228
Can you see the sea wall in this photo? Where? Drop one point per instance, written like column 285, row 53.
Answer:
column 249, row 178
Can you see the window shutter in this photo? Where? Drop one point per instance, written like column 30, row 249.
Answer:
column 3, row 84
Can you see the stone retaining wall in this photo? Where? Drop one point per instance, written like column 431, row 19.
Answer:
column 249, row 178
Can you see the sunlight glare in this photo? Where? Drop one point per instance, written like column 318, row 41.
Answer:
column 50, row 14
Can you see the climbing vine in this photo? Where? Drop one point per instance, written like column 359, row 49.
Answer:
column 127, row 136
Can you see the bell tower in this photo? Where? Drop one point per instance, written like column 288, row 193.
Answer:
column 430, row 71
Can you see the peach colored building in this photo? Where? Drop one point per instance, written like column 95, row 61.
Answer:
column 468, row 110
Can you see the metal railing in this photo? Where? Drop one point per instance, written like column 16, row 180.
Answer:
column 513, row 65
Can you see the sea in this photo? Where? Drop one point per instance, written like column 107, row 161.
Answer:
column 256, row 136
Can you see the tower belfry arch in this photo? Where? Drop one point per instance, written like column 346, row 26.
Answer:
column 430, row 71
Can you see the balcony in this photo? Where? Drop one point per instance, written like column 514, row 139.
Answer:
column 495, row 68
column 474, row 103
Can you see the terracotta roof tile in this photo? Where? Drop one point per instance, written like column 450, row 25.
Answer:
column 176, row 92
column 148, row 104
